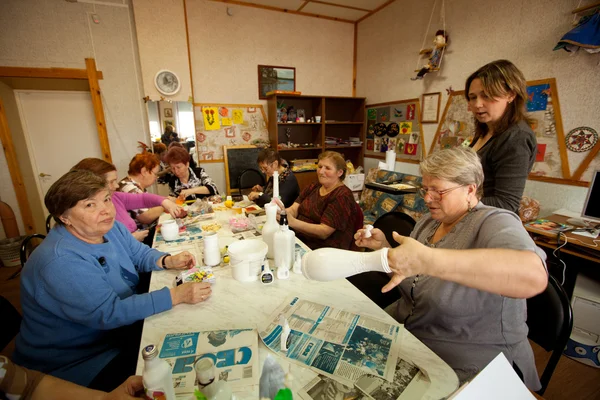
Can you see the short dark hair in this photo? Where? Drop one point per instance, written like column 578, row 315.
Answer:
column 95, row 165
column 177, row 155
column 268, row 155
column 69, row 189
column 337, row 159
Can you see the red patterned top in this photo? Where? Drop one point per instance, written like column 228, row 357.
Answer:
column 336, row 209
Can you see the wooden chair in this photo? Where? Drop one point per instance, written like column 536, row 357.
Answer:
column 550, row 321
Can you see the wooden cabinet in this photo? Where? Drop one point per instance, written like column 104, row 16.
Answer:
column 341, row 118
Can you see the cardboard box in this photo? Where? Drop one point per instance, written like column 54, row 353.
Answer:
column 355, row 182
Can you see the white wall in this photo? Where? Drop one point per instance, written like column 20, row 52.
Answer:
column 523, row 31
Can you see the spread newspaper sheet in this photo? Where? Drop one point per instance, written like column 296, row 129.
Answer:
column 335, row 343
column 234, row 353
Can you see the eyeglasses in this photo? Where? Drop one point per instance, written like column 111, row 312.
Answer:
column 264, row 168
column 436, row 195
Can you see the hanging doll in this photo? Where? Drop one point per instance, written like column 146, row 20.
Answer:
column 435, row 55
column 585, row 35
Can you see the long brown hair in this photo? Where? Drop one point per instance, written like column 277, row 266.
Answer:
column 501, row 78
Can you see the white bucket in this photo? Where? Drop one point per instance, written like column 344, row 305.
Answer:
column 246, row 259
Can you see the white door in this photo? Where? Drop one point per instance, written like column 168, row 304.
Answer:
column 60, row 130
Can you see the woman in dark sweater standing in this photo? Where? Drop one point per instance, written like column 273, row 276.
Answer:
column 504, row 141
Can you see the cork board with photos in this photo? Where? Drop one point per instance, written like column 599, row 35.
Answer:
column 395, row 125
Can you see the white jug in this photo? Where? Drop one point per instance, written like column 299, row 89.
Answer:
column 169, row 230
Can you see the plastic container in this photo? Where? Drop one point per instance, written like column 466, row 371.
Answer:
column 169, row 230
column 10, row 251
column 157, row 376
column 270, row 227
column 284, row 242
column 246, row 259
column 212, row 254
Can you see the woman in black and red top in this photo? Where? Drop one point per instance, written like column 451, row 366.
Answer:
column 325, row 214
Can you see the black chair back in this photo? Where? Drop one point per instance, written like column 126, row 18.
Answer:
column 395, row 221
column 550, row 321
column 26, row 249
column 11, row 322
column 248, row 178
column 49, row 223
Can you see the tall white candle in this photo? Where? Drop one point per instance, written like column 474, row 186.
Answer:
column 276, row 184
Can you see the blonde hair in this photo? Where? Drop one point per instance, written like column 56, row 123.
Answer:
column 460, row 165
column 501, row 78
column 337, row 160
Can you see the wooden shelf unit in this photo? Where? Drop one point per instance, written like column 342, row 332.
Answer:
column 341, row 117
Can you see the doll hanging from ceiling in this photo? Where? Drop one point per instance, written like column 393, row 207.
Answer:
column 585, row 35
column 435, row 54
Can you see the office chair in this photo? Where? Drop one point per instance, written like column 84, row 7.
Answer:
column 250, row 177
column 11, row 322
column 550, row 321
column 370, row 283
column 25, row 251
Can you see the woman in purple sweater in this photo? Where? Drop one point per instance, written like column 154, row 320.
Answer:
column 127, row 201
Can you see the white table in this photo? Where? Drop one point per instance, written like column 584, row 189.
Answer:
column 235, row 304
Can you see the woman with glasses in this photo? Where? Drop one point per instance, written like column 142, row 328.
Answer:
column 270, row 161
column 497, row 95
column 187, row 182
column 463, row 274
column 125, row 202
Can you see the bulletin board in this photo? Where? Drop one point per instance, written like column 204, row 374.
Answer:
column 457, row 127
column 219, row 125
column 395, row 125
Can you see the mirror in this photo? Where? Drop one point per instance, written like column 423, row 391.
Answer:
column 178, row 114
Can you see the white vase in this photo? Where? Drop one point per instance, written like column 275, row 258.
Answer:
column 270, row 227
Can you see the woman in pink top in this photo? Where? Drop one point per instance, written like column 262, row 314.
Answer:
column 127, row 201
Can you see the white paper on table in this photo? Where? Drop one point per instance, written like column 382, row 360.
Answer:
column 382, row 165
column 497, row 381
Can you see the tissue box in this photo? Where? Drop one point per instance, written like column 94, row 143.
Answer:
column 355, row 182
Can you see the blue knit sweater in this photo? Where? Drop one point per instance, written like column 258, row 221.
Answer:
column 74, row 294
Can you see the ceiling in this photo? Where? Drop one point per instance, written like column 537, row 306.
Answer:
column 340, row 10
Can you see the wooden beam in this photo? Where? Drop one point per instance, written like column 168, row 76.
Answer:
column 60, row 73
column 189, row 53
column 303, row 5
column 15, row 172
column 243, row 3
column 354, row 60
column 90, row 64
column 340, row 5
column 585, row 8
column 381, row 7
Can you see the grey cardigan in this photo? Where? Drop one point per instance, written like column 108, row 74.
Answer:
column 507, row 160
column 467, row 327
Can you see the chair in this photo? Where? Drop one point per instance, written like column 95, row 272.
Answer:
column 370, row 283
column 11, row 322
column 395, row 221
column 49, row 224
column 248, row 178
column 26, row 251
column 550, row 321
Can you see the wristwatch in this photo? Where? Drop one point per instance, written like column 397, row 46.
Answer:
column 164, row 261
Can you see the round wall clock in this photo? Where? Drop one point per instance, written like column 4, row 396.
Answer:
column 167, row 82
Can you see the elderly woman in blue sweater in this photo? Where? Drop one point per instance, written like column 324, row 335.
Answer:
column 79, row 288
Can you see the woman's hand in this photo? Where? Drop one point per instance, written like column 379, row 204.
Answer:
column 375, row 242
column 257, row 188
column 132, row 388
column 173, row 209
column 190, row 293
column 140, row 235
column 185, row 193
column 183, row 260
column 408, row 259
column 253, row 195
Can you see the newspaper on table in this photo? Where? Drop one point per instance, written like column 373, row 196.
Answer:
column 335, row 343
column 234, row 353
column 409, row 383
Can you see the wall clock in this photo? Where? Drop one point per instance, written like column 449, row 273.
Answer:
column 167, row 82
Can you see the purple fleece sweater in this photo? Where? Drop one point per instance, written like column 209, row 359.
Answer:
column 132, row 201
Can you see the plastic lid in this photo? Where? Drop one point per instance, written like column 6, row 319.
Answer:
column 149, row 352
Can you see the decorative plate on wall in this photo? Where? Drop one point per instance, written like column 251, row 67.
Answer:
column 167, row 82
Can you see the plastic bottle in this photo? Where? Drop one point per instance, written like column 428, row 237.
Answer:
column 266, row 276
column 229, row 202
column 157, row 376
column 270, row 227
column 284, row 241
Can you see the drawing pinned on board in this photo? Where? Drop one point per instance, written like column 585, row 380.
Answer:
column 370, row 144
column 410, row 111
column 372, row 114
column 410, row 149
column 413, row 138
column 226, row 121
column 238, row 116
column 230, row 132
column 246, row 136
column 537, row 97
column 406, row 128
column 224, row 112
column 200, row 137
column 211, row 119
column 541, row 152
column 581, row 139
column 251, row 110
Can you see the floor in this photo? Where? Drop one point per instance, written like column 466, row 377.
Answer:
column 571, row 380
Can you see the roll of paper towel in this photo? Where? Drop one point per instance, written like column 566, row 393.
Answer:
column 390, row 159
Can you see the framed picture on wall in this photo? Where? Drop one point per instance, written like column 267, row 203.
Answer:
column 271, row 78
column 168, row 113
column 431, row 107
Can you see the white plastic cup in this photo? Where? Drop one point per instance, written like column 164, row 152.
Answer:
column 169, row 230
column 318, row 119
column 205, row 371
column 212, row 253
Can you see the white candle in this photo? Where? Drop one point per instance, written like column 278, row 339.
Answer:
column 276, row 184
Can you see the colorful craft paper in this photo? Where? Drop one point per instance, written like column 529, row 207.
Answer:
column 410, row 111
column 405, row 128
column 537, row 97
column 238, row 116
column 541, row 152
column 211, row 118
column 226, row 122
column 410, row 149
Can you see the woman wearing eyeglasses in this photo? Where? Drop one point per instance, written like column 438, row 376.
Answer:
column 463, row 274
column 497, row 94
column 270, row 161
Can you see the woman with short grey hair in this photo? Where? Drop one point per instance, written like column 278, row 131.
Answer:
column 463, row 274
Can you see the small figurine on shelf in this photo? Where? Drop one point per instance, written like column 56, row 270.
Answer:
column 435, row 55
column 291, row 114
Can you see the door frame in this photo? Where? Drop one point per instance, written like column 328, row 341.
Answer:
column 92, row 75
